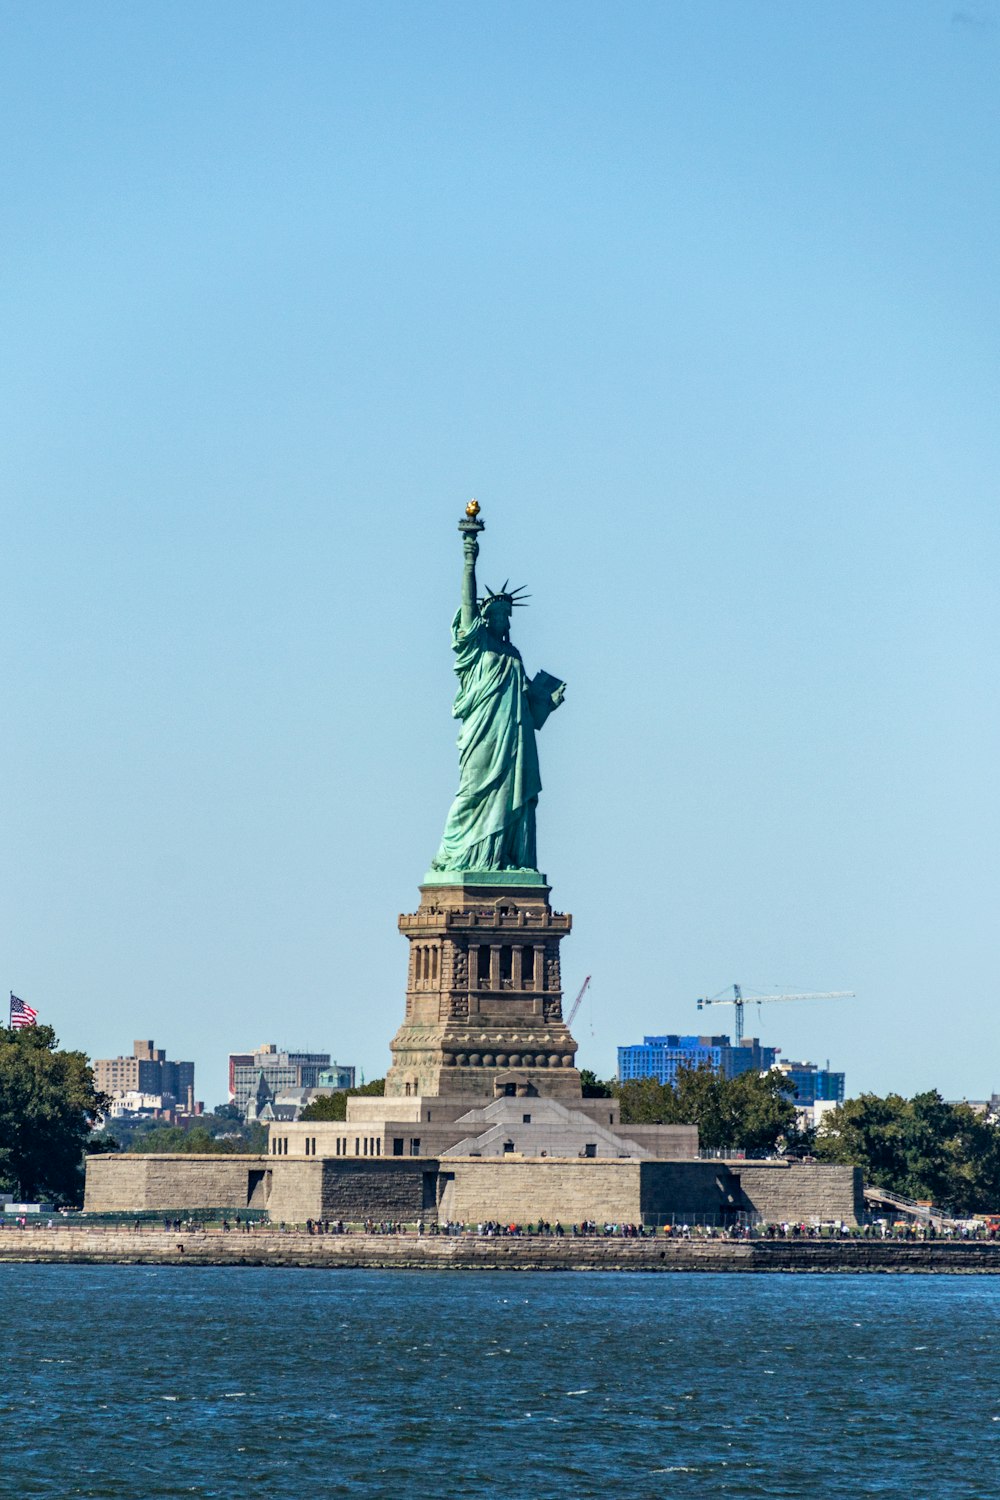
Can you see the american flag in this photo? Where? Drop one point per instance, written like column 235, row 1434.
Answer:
column 21, row 1014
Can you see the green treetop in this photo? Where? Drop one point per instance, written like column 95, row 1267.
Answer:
column 48, row 1105
column 750, row 1113
column 920, row 1148
column 334, row 1106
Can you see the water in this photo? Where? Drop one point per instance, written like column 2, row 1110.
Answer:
column 231, row 1382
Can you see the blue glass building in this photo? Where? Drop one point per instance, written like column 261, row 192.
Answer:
column 813, row 1084
column 659, row 1057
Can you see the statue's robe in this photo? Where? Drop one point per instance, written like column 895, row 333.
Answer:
column 491, row 825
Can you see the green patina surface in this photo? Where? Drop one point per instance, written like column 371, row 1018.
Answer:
column 500, row 878
column 491, row 825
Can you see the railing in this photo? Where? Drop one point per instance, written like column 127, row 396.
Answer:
column 410, row 921
column 734, row 1153
column 919, row 1210
column 108, row 1218
column 739, row 1217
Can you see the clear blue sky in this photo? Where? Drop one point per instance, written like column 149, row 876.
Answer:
column 701, row 301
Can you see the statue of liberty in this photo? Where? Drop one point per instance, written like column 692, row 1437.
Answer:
column 491, row 825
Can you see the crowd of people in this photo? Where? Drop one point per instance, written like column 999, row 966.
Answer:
column 742, row 1229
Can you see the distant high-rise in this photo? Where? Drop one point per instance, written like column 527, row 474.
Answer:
column 282, row 1070
column 659, row 1057
column 813, row 1085
column 147, row 1071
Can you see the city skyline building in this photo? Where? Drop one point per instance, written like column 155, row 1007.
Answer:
column 660, row 1057
column 283, row 1070
column 338, row 1076
column 816, row 1089
column 813, row 1084
column 148, row 1071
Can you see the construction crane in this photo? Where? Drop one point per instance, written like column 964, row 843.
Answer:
column 739, row 1000
column 576, row 1003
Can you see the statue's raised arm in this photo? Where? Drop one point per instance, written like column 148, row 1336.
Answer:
column 491, row 825
column 470, row 606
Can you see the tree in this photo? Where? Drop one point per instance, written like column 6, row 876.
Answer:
column 48, row 1105
column 327, row 1107
column 164, row 1140
column 750, row 1113
column 647, row 1101
column 255, row 1139
column 199, row 1140
column 919, row 1148
column 227, row 1111
column 334, row 1106
column 101, row 1143
column 594, row 1087
column 762, row 1111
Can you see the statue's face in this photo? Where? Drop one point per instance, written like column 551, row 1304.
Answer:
column 498, row 616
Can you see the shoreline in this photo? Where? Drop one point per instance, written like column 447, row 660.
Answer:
column 412, row 1252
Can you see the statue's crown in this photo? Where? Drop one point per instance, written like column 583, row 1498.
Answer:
column 506, row 595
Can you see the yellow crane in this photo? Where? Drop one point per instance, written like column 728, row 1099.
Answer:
column 739, row 1001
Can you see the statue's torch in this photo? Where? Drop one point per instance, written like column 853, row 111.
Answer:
column 470, row 524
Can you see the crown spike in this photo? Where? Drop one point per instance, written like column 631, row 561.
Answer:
column 514, row 598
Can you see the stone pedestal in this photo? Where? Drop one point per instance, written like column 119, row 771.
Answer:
column 484, row 994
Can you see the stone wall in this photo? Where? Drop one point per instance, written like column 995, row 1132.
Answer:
column 522, row 1192
column 570, row 1190
column 135, row 1181
column 800, row 1191
column 296, row 1191
column 688, row 1190
column 292, row 1189
column 401, row 1189
column 664, row 1142
column 397, row 1188
column 775, row 1190
column 470, row 1189
column 468, row 1252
